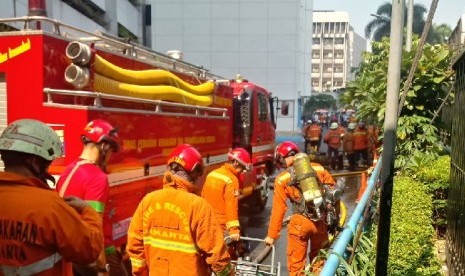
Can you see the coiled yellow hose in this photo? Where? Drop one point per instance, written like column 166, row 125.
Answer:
column 151, row 92
column 149, row 77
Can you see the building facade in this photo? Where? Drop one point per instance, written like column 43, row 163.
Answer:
column 114, row 17
column 336, row 49
column 457, row 37
column 268, row 42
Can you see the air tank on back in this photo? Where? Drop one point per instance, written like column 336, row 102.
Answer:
column 307, row 179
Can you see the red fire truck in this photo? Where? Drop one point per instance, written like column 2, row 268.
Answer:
column 67, row 77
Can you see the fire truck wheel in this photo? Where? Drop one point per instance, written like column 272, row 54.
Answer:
column 261, row 195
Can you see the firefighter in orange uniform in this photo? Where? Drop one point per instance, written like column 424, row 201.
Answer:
column 174, row 231
column 361, row 143
column 302, row 226
column 53, row 231
column 334, row 140
column 221, row 190
column 348, row 146
column 312, row 136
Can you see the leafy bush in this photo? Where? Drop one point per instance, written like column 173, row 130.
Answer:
column 411, row 250
column 435, row 175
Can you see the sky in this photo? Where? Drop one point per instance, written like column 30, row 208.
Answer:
column 447, row 11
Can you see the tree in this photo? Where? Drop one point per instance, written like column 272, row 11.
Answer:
column 380, row 26
column 441, row 33
column 323, row 101
column 431, row 82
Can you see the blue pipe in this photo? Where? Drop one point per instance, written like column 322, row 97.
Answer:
column 345, row 237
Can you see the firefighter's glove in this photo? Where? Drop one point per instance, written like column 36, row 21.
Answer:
column 269, row 241
column 75, row 202
column 234, row 237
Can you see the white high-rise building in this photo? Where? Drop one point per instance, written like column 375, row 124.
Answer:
column 336, row 49
column 266, row 41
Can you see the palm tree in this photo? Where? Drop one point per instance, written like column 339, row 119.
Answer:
column 380, row 26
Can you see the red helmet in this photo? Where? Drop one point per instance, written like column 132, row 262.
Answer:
column 285, row 149
column 241, row 156
column 187, row 157
column 98, row 131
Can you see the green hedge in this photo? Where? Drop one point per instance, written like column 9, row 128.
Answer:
column 411, row 250
column 436, row 176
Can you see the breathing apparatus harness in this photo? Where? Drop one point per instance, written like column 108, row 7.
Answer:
column 317, row 200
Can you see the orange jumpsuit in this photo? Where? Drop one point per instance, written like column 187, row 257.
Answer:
column 300, row 228
column 175, row 232
column 41, row 234
column 221, row 190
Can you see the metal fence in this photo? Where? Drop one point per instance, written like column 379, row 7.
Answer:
column 455, row 238
column 352, row 228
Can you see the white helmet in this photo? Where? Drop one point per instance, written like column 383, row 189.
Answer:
column 309, row 121
column 334, row 125
column 33, row 137
column 351, row 126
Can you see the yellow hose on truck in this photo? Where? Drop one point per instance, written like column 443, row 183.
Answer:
column 149, row 77
column 151, row 92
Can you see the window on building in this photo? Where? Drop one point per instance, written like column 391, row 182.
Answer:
column 315, row 69
column 339, row 40
column 328, row 41
column 316, row 55
column 89, row 9
column 343, row 27
column 316, row 41
column 125, row 33
column 317, row 28
column 328, row 55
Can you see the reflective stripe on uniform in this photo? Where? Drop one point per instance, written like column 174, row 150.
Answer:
column 223, row 177
column 30, row 269
column 226, row 271
column 232, row 223
column 171, row 245
column 110, row 250
column 98, row 206
column 137, row 262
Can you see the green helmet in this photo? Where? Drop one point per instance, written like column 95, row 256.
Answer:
column 33, row 137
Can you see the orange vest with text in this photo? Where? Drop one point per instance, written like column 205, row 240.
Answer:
column 175, row 232
column 41, row 234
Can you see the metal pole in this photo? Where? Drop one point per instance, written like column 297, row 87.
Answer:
column 408, row 39
column 389, row 140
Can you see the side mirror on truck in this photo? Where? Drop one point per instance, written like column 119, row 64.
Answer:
column 285, row 108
